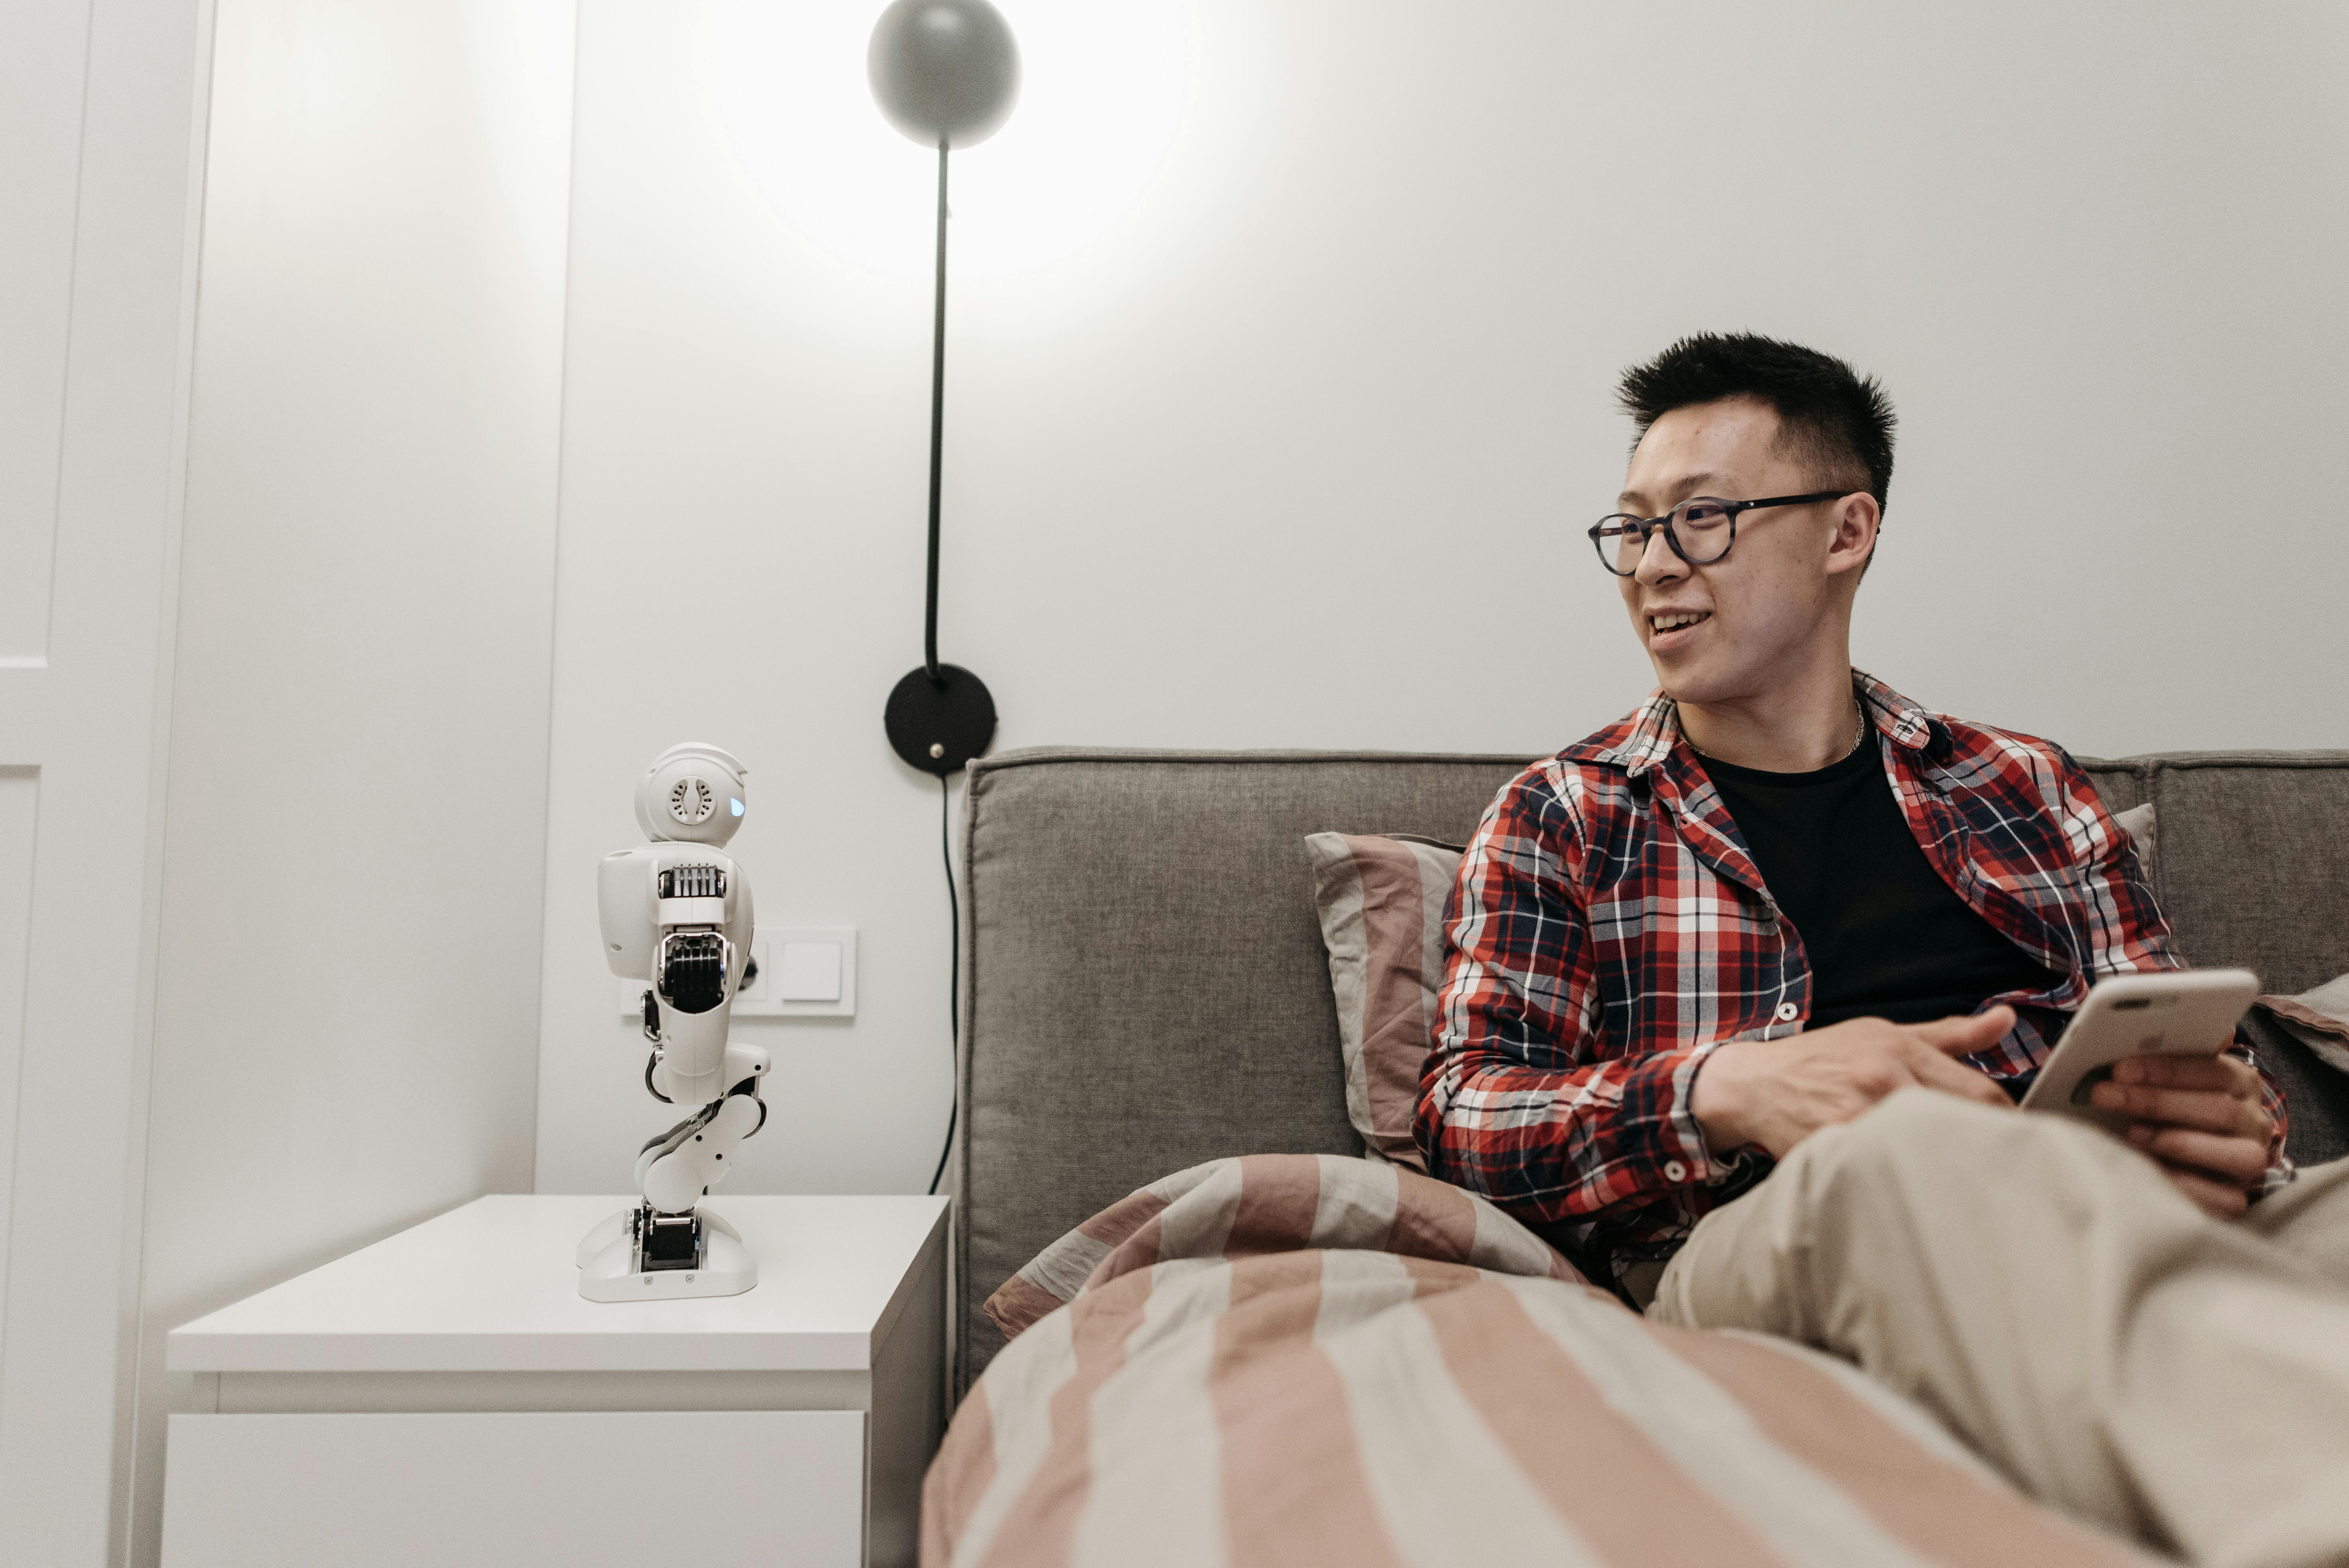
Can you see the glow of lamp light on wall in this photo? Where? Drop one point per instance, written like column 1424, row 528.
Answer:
column 1104, row 85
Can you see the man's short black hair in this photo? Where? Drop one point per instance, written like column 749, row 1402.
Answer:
column 1831, row 415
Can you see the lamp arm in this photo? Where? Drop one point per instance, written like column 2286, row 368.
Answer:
column 939, row 716
column 937, row 426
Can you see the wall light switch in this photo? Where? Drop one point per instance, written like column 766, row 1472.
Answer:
column 807, row 972
column 804, row 972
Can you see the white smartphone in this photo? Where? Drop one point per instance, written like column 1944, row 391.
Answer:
column 2167, row 1013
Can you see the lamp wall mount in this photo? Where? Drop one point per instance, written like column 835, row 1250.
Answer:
column 938, row 723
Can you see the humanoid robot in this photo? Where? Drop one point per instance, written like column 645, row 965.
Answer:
column 675, row 914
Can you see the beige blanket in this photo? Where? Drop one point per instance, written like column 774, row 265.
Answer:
column 1295, row 1360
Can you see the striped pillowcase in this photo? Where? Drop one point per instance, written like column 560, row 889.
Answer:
column 1380, row 898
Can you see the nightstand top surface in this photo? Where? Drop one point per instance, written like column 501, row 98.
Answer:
column 492, row 1287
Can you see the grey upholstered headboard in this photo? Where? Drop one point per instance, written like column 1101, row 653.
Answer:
column 1145, row 986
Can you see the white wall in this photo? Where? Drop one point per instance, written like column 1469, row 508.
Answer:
column 346, row 1013
column 99, row 118
column 1301, row 453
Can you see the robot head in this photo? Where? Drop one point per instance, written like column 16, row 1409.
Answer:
column 692, row 793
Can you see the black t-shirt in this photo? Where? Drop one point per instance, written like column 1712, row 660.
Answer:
column 1888, row 938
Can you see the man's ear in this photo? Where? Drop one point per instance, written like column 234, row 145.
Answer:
column 1857, row 519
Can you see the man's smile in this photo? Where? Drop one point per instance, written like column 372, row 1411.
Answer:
column 1668, row 629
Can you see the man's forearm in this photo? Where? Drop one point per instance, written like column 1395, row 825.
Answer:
column 1568, row 1144
column 1773, row 1094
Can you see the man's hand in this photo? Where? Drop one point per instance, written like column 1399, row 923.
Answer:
column 2200, row 1119
column 1776, row 1093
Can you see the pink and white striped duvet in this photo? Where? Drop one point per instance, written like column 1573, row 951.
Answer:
column 1291, row 1360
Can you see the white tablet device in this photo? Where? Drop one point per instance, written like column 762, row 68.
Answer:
column 2170, row 1013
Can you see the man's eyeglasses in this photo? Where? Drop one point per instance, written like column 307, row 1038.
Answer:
column 1700, row 529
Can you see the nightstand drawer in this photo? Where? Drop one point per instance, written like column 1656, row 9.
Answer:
column 781, row 1489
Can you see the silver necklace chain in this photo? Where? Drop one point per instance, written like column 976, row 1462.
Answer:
column 1858, row 734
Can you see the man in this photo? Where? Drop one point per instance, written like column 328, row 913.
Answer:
column 1754, row 920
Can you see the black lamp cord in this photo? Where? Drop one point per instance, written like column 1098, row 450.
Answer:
column 954, row 981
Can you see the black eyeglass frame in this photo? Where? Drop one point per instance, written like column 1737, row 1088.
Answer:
column 1648, row 525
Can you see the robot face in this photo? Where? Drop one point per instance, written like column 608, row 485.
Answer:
column 691, row 801
column 692, row 793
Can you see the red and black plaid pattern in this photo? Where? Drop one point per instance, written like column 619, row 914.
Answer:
column 1609, row 930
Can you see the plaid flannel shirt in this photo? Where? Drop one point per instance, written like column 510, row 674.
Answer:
column 1609, row 930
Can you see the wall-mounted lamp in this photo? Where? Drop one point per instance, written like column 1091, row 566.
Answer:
column 945, row 73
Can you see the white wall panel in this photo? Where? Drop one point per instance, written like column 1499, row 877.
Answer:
column 42, row 52
column 20, row 813
column 98, row 126
column 1300, row 452
column 346, row 993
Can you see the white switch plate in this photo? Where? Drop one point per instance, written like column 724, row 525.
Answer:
column 806, row 971
column 759, row 999
column 762, row 999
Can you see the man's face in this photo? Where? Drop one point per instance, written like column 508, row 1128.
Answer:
column 1760, row 609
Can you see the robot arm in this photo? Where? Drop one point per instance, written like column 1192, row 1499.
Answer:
column 678, row 917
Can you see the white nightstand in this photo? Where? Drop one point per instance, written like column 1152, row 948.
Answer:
column 445, row 1397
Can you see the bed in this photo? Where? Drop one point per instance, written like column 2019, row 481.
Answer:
column 1153, row 1128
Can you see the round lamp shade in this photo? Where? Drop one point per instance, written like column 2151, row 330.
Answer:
column 943, row 71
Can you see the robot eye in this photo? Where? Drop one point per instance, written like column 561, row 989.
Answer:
column 735, row 804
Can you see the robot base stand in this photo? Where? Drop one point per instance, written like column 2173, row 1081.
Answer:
column 639, row 1255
